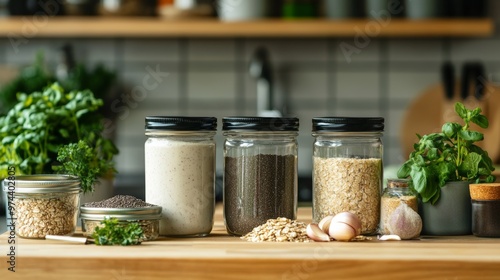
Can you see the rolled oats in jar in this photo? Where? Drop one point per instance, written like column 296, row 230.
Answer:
column 347, row 168
column 45, row 204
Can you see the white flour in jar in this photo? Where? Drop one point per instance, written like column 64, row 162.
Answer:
column 180, row 178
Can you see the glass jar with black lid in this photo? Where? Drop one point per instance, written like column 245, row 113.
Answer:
column 347, row 168
column 180, row 173
column 260, row 171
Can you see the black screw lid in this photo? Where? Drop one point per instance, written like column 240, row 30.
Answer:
column 348, row 124
column 181, row 123
column 260, row 124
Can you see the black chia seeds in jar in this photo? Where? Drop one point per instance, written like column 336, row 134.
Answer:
column 260, row 171
column 126, row 209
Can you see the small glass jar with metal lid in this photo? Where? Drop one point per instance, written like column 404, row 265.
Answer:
column 45, row 204
column 396, row 192
column 347, row 168
column 260, row 171
column 148, row 219
column 180, row 173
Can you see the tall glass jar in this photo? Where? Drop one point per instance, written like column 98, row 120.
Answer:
column 260, row 171
column 347, row 168
column 180, row 173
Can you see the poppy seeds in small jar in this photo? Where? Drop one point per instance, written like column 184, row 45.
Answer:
column 126, row 209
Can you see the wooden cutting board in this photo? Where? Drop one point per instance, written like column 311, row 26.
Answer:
column 430, row 110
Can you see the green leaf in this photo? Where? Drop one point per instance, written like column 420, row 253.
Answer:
column 432, row 154
column 490, row 179
column 461, row 110
column 481, row 121
column 404, row 170
column 81, row 112
column 8, row 140
column 64, row 132
column 470, row 166
column 451, row 129
column 446, row 172
column 471, row 135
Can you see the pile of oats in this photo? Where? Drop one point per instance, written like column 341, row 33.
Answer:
column 279, row 230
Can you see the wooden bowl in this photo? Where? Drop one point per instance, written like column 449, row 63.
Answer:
column 485, row 191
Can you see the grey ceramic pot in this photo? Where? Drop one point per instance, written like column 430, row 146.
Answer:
column 452, row 214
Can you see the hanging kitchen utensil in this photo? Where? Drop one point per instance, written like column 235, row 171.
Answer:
column 448, row 80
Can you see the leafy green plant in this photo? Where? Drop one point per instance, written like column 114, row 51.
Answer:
column 30, row 79
column 80, row 159
column 36, row 77
column 450, row 155
column 112, row 232
column 41, row 123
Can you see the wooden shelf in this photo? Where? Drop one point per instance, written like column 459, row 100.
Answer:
column 95, row 27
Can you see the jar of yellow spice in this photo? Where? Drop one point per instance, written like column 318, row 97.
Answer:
column 396, row 192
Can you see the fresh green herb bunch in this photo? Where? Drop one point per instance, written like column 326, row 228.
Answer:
column 41, row 123
column 450, row 155
column 80, row 159
column 113, row 232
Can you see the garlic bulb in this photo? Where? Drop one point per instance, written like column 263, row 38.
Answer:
column 344, row 226
column 405, row 222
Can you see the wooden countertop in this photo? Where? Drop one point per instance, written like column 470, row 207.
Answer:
column 220, row 256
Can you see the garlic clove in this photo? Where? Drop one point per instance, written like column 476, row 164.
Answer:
column 350, row 219
column 389, row 237
column 341, row 231
column 324, row 224
column 315, row 233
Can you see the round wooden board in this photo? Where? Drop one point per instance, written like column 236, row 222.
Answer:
column 427, row 113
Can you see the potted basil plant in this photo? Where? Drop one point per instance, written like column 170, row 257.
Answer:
column 53, row 131
column 441, row 167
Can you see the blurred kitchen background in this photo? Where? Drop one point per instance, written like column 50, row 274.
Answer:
column 309, row 77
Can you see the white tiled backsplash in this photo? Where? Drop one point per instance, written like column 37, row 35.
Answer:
column 210, row 77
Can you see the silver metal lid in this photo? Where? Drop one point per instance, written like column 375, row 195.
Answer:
column 43, row 183
column 141, row 213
